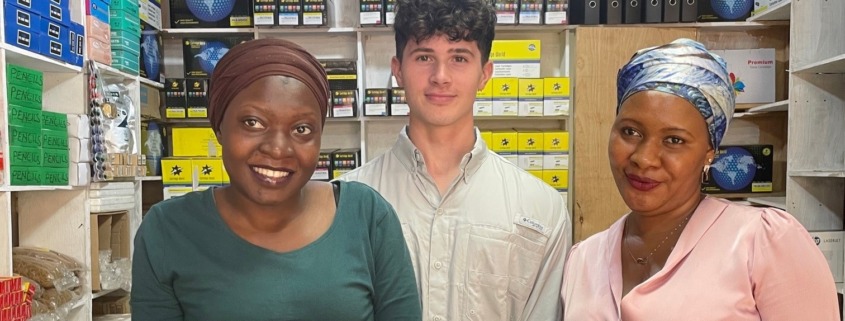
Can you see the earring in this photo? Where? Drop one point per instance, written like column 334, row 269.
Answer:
column 705, row 173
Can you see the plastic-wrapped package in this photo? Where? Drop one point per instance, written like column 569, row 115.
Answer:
column 115, row 274
column 39, row 290
column 47, row 273
column 45, row 254
column 118, row 120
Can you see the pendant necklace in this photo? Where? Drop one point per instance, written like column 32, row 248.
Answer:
column 644, row 260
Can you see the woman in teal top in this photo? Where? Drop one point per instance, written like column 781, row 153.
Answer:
column 273, row 245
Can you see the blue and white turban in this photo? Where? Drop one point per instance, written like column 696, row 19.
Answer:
column 686, row 69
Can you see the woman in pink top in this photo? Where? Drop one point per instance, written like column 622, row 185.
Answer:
column 680, row 255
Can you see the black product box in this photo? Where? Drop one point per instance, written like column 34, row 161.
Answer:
column 689, row 10
column 175, row 103
column 398, row 103
column 264, row 12
column 342, row 74
column 652, row 11
column 344, row 103
column 672, row 10
column 211, row 13
column 344, row 161
column 372, row 12
column 737, row 10
column 389, row 11
column 611, row 12
column 197, row 97
column 375, row 102
column 632, row 11
column 323, row 171
column 289, row 13
column 314, row 13
column 506, row 11
column 556, row 12
column 531, row 12
column 585, row 12
column 152, row 54
column 741, row 169
column 201, row 55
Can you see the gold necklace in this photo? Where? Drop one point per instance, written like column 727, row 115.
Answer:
column 644, row 260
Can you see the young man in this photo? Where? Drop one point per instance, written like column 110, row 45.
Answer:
column 487, row 239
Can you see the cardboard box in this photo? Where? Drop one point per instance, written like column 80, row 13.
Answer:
column 487, row 137
column 537, row 173
column 202, row 54
column 344, row 103
column 555, row 150
column 79, row 174
column 109, row 231
column 150, row 102
column 99, row 50
column 752, row 72
column 483, row 105
column 26, row 175
column 152, row 47
column 506, row 11
column 265, row 11
column 389, row 12
column 54, row 139
column 58, row 158
column 79, row 151
column 177, row 171
column 557, row 179
column 111, row 305
column 124, row 41
column 505, row 96
column 23, row 116
column 556, row 96
column 530, row 12
column 194, row 142
column 57, row 176
column 741, row 169
column 20, row 136
column 371, row 13
column 150, row 12
column 290, row 13
column 342, row 74
column 197, row 98
column 23, row 29
column 375, row 102
column 530, row 149
column 223, row 14
column 831, row 244
column 209, row 170
column 345, row 160
column 24, row 156
column 24, row 77
column 78, row 126
column 531, row 97
column 738, row 10
column 399, row 103
column 516, row 58
column 23, row 96
column 505, row 142
column 323, row 171
column 175, row 98
column 314, row 13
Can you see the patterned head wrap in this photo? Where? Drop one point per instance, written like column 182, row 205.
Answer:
column 686, row 69
column 255, row 59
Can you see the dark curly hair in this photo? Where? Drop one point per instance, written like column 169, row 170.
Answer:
column 469, row 20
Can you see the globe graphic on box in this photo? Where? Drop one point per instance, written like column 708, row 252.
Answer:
column 731, row 9
column 734, row 169
column 211, row 10
column 151, row 59
column 210, row 53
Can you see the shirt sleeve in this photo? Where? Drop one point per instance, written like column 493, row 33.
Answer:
column 152, row 299
column 790, row 276
column 396, row 294
column 544, row 301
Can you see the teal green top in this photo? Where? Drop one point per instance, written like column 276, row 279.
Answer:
column 189, row 265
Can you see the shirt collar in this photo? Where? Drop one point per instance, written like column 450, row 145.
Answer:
column 412, row 158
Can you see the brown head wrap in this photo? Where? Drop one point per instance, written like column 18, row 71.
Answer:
column 252, row 60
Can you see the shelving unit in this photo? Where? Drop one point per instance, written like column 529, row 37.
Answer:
column 778, row 12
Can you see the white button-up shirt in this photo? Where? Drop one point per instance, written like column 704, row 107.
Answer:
column 491, row 248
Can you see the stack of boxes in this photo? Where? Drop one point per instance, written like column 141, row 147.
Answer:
column 125, row 34
column 333, row 163
column 15, row 299
column 44, row 27
column 545, row 154
column 79, row 141
column 195, row 163
column 37, row 139
column 343, row 84
column 99, row 32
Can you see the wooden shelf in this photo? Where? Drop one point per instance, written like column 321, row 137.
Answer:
column 148, row 178
column 151, row 83
column 772, row 201
column 834, row 65
column 110, row 72
column 21, row 57
column 833, row 174
column 14, row 188
column 782, row 105
column 778, row 12
column 747, row 195
column 303, row 29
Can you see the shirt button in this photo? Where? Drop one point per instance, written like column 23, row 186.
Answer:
column 438, row 319
column 438, row 265
column 472, row 312
column 439, row 211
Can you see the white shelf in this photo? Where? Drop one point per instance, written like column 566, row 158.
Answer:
column 834, row 174
column 107, row 71
column 778, row 12
column 342, row 119
column 15, row 188
column 782, row 105
column 834, row 65
column 196, row 31
column 103, row 293
column 18, row 56
column 302, row 30
column 151, row 82
column 714, row 26
column 149, row 178
column 776, row 202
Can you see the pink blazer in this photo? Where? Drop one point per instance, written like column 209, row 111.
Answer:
column 732, row 262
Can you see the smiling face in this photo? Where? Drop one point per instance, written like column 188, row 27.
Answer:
column 441, row 78
column 271, row 139
column 658, row 147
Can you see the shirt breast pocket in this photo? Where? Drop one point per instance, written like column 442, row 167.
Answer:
column 501, row 268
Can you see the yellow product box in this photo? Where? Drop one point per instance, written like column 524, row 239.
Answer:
column 177, row 171
column 536, row 173
column 558, row 179
column 556, row 96
column 530, row 149
column 504, row 141
column 505, row 96
column 194, row 142
column 225, row 173
column 487, row 137
column 531, row 97
column 483, row 105
column 516, row 58
column 209, row 170
column 556, row 149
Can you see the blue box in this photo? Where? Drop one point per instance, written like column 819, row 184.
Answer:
column 56, row 49
column 99, row 9
column 77, row 42
column 49, row 9
column 53, row 30
column 22, row 27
